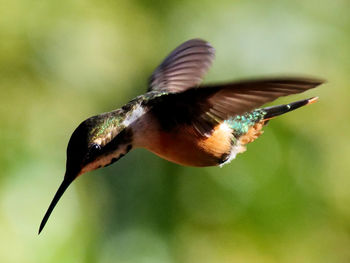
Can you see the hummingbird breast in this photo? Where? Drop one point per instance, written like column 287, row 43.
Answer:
column 182, row 144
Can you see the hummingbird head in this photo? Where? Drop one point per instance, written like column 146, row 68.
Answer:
column 96, row 142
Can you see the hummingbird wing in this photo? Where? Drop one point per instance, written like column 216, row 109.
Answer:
column 207, row 106
column 183, row 68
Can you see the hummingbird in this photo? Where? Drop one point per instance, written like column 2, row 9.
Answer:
column 180, row 120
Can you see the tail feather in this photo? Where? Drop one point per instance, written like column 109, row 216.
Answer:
column 275, row 111
column 248, row 127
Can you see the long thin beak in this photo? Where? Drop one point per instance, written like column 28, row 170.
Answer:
column 63, row 187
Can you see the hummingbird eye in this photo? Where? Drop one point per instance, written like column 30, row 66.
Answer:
column 93, row 150
column 96, row 146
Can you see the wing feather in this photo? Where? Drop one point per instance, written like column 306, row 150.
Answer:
column 183, row 68
column 204, row 107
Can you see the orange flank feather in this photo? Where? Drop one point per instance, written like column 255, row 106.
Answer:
column 219, row 142
column 253, row 133
column 182, row 145
column 185, row 147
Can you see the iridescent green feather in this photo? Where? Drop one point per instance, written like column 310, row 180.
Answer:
column 112, row 122
column 241, row 123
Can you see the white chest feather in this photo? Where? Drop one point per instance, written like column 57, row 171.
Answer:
column 134, row 116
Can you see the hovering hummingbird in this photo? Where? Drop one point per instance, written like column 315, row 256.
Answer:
column 180, row 120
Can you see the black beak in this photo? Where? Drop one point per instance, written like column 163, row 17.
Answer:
column 63, row 187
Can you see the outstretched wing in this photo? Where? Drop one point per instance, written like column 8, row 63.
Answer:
column 183, row 68
column 207, row 106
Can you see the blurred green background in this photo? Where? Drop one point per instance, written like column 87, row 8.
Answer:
column 285, row 200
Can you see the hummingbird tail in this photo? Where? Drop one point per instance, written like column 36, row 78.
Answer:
column 275, row 111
